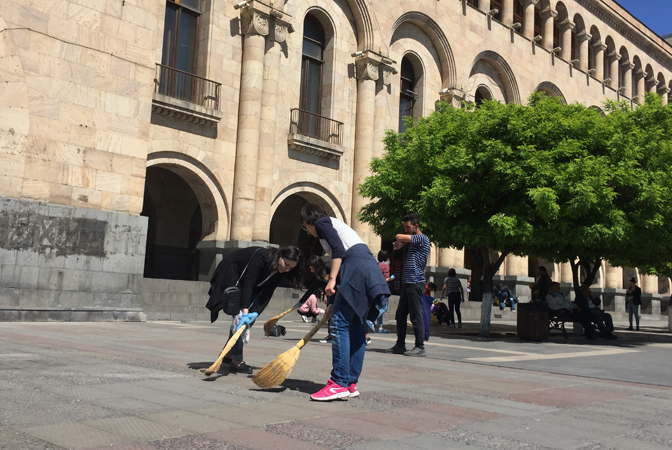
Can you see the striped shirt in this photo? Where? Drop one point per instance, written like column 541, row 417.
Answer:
column 416, row 260
column 452, row 284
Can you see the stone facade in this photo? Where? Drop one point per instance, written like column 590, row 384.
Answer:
column 95, row 127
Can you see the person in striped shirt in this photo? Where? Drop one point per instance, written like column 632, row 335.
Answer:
column 412, row 285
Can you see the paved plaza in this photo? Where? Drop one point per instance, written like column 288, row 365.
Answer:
column 138, row 386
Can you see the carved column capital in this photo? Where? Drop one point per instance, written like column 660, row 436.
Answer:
column 640, row 73
column 371, row 65
column 453, row 96
column 264, row 20
column 583, row 36
column 527, row 3
column 599, row 47
column 254, row 22
column 567, row 25
column 615, row 56
column 545, row 13
column 664, row 90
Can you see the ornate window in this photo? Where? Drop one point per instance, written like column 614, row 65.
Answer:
column 311, row 73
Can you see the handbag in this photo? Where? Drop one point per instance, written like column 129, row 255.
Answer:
column 232, row 295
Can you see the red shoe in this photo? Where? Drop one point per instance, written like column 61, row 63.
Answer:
column 331, row 391
column 352, row 389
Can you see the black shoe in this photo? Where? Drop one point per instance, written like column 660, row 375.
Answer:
column 630, row 329
column 397, row 350
column 368, row 340
column 637, row 329
column 226, row 360
column 240, row 368
column 417, row 351
column 592, row 336
column 327, row 339
column 610, row 336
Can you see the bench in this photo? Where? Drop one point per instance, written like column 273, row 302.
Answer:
column 557, row 321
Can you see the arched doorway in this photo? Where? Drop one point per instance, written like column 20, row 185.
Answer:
column 286, row 224
column 175, row 226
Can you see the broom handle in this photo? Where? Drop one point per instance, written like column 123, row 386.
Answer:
column 288, row 311
column 312, row 332
column 227, row 348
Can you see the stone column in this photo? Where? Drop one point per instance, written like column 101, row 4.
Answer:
column 640, row 77
column 369, row 66
column 599, row 49
column 614, row 61
column 613, row 277
column 627, row 78
column 528, row 25
column 566, row 27
column 267, row 133
column 649, row 284
column 451, row 257
column 653, row 84
column 548, row 15
column 664, row 92
column 254, row 27
column 516, row 266
column 507, row 12
column 566, row 275
column 584, row 41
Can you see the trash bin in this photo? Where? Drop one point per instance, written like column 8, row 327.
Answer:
column 533, row 321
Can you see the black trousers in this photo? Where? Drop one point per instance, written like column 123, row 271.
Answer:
column 603, row 320
column 410, row 302
column 454, row 299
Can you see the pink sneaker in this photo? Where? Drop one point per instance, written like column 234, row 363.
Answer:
column 331, row 391
column 352, row 389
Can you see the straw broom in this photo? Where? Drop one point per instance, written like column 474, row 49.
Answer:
column 275, row 372
column 227, row 348
column 270, row 323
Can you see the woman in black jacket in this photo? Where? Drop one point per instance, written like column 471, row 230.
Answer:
column 260, row 270
column 633, row 298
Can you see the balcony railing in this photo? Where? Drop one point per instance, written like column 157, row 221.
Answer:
column 316, row 126
column 186, row 86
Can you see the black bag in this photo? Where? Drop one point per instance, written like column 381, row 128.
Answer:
column 233, row 295
column 277, row 330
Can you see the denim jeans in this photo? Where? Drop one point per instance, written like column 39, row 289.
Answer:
column 348, row 344
column 632, row 310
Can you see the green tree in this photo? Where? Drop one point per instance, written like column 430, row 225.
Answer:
column 534, row 179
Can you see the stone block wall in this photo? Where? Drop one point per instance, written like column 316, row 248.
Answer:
column 68, row 263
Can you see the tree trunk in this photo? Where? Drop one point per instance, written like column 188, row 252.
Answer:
column 482, row 271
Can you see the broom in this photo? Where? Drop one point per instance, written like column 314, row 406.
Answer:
column 275, row 372
column 270, row 323
column 227, row 348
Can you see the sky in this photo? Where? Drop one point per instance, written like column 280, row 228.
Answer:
column 655, row 14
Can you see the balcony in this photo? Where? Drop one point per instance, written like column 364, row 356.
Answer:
column 186, row 96
column 318, row 137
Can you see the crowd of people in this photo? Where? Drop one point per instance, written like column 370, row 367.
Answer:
column 353, row 290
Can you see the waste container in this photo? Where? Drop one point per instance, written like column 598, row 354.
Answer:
column 533, row 321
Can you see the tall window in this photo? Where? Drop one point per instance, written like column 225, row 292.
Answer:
column 518, row 14
column 473, row 3
column 538, row 22
column 311, row 75
column 408, row 95
column 180, row 34
column 496, row 4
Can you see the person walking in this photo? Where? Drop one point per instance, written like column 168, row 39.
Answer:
column 257, row 271
column 412, row 285
column 633, row 299
column 453, row 287
column 356, row 287
column 385, row 270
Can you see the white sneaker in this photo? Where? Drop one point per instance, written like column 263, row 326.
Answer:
column 305, row 319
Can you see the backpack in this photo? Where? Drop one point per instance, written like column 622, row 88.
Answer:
column 277, row 330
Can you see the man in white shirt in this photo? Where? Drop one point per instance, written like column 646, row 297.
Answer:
column 560, row 305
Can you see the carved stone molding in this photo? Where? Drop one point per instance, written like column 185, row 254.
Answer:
column 583, row 36
column 567, row 25
column 260, row 19
column 614, row 56
column 548, row 12
column 280, row 34
column 371, row 65
column 253, row 22
column 599, row 47
column 452, row 96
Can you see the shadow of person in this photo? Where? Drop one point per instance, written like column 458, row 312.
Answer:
column 303, row 386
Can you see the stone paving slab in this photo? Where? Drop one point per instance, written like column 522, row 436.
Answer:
column 138, row 387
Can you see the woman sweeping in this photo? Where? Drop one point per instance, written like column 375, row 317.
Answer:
column 355, row 285
column 258, row 271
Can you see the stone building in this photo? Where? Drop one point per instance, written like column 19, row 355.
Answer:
column 141, row 140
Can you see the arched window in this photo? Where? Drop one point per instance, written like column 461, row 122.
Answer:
column 482, row 94
column 408, row 93
column 311, row 74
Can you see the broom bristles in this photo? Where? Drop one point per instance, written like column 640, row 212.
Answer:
column 270, row 323
column 276, row 372
column 227, row 348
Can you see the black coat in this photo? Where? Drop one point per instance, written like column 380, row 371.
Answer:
column 254, row 297
column 636, row 295
column 582, row 302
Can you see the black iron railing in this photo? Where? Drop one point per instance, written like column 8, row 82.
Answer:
column 186, row 86
column 316, row 126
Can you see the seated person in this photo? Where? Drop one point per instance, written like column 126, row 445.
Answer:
column 441, row 312
column 505, row 295
column 587, row 302
column 560, row 306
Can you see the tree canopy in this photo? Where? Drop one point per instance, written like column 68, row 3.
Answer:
column 546, row 179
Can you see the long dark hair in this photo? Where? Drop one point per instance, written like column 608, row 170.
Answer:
column 311, row 213
column 451, row 273
column 291, row 253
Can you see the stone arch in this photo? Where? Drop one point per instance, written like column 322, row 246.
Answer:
column 206, row 186
column 649, row 76
column 661, row 81
column 501, row 67
column 596, row 38
column 440, row 41
column 304, row 182
column 552, row 90
column 367, row 37
column 598, row 109
column 483, row 93
column 637, row 62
